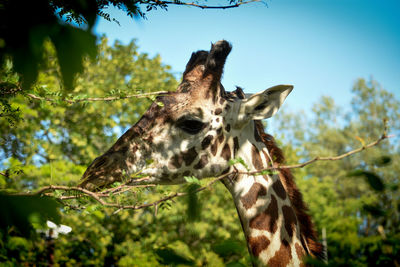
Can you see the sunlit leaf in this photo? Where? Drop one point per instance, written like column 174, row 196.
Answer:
column 191, row 179
column 362, row 141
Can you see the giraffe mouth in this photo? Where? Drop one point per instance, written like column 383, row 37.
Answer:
column 97, row 181
column 104, row 171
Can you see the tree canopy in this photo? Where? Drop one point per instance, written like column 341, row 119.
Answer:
column 26, row 25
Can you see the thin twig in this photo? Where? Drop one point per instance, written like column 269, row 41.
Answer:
column 206, row 6
column 91, row 99
column 332, row 158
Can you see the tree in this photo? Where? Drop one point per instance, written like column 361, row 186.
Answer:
column 26, row 25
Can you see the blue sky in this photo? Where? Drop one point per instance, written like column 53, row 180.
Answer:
column 319, row 46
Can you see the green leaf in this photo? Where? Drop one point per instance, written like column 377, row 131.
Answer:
column 374, row 210
column 227, row 248
column 240, row 161
column 168, row 256
column 191, row 179
column 374, row 180
column 235, row 264
column 383, row 161
column 21, row 211
column 72, row 45
column 310, row 261
column 193, row 205
column 149, row 161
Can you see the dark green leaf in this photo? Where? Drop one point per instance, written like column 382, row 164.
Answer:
column 72, row 45
column 169, row 256
column 310, row 261
column 374, row 180
column 227, row 248
column 18, row 211
column 383, row 161
column 374, row 210
column 235, row 264
column 193, row 205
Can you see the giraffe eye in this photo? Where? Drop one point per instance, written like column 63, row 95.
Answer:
column 190, row 126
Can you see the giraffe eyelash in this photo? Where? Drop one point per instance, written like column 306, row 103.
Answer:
column 190, row 126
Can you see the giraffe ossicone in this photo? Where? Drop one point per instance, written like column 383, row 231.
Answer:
column 196, row 131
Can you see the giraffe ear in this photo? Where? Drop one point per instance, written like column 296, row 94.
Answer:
column 265, row 104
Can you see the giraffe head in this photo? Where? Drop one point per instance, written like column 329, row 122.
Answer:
column 190, row 132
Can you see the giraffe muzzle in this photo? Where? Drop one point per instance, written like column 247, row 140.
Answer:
column 104, row 171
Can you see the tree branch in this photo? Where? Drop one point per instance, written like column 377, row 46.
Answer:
column 91, row 99
column 332, row 158
column 98, row 196
column 206, row 6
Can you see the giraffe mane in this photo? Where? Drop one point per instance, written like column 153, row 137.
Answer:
column 307, row 231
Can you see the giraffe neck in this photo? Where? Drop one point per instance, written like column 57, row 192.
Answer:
column 268, row 219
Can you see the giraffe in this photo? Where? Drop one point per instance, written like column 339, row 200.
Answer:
column 195, row 131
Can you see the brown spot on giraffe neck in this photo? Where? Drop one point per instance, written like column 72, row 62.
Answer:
column 290, row 219
column 250, row 198
column 266, row 220
column 258, row 244
column 282, row 257
column 256, row 158
column 279, row 190
column 226, row 152
column 218, row 111
column 202, row 162
column 228, row 128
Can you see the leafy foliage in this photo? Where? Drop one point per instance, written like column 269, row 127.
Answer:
column 52, row 142
column 52, row 131
column 56, row 20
